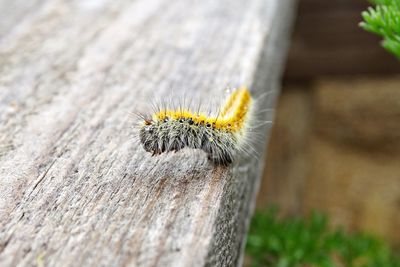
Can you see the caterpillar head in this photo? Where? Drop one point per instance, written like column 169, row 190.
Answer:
column 162, row 136
column 149, row 137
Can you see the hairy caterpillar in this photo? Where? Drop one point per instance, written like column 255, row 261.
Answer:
column 220, row 136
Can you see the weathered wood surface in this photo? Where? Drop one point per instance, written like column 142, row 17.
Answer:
column 75, row 189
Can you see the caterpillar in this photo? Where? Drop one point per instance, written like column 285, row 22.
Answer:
column 220, row 136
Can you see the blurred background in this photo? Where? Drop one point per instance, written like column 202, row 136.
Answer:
column 335, row 144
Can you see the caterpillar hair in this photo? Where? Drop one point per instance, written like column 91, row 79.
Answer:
column 221, row 136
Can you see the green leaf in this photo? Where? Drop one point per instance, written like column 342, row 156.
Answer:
column 384, row 20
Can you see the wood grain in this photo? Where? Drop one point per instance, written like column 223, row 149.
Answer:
column 76, row 190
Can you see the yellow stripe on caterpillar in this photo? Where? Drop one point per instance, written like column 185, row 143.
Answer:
column 230, row 118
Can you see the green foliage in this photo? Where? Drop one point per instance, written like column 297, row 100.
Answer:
column 384, row 20
column 309, row 242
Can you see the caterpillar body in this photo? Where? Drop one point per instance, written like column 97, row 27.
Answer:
column 220, row 136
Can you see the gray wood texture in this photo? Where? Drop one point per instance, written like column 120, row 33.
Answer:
column 75, row 188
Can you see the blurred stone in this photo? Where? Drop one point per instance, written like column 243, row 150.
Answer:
column 335, row 147
column 286, row 158
column 364, row 112
column 360, row 190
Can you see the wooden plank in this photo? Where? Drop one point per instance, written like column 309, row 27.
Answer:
column 13, row 12
column 75, row 189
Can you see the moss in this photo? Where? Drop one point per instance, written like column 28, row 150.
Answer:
column 309, row 242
